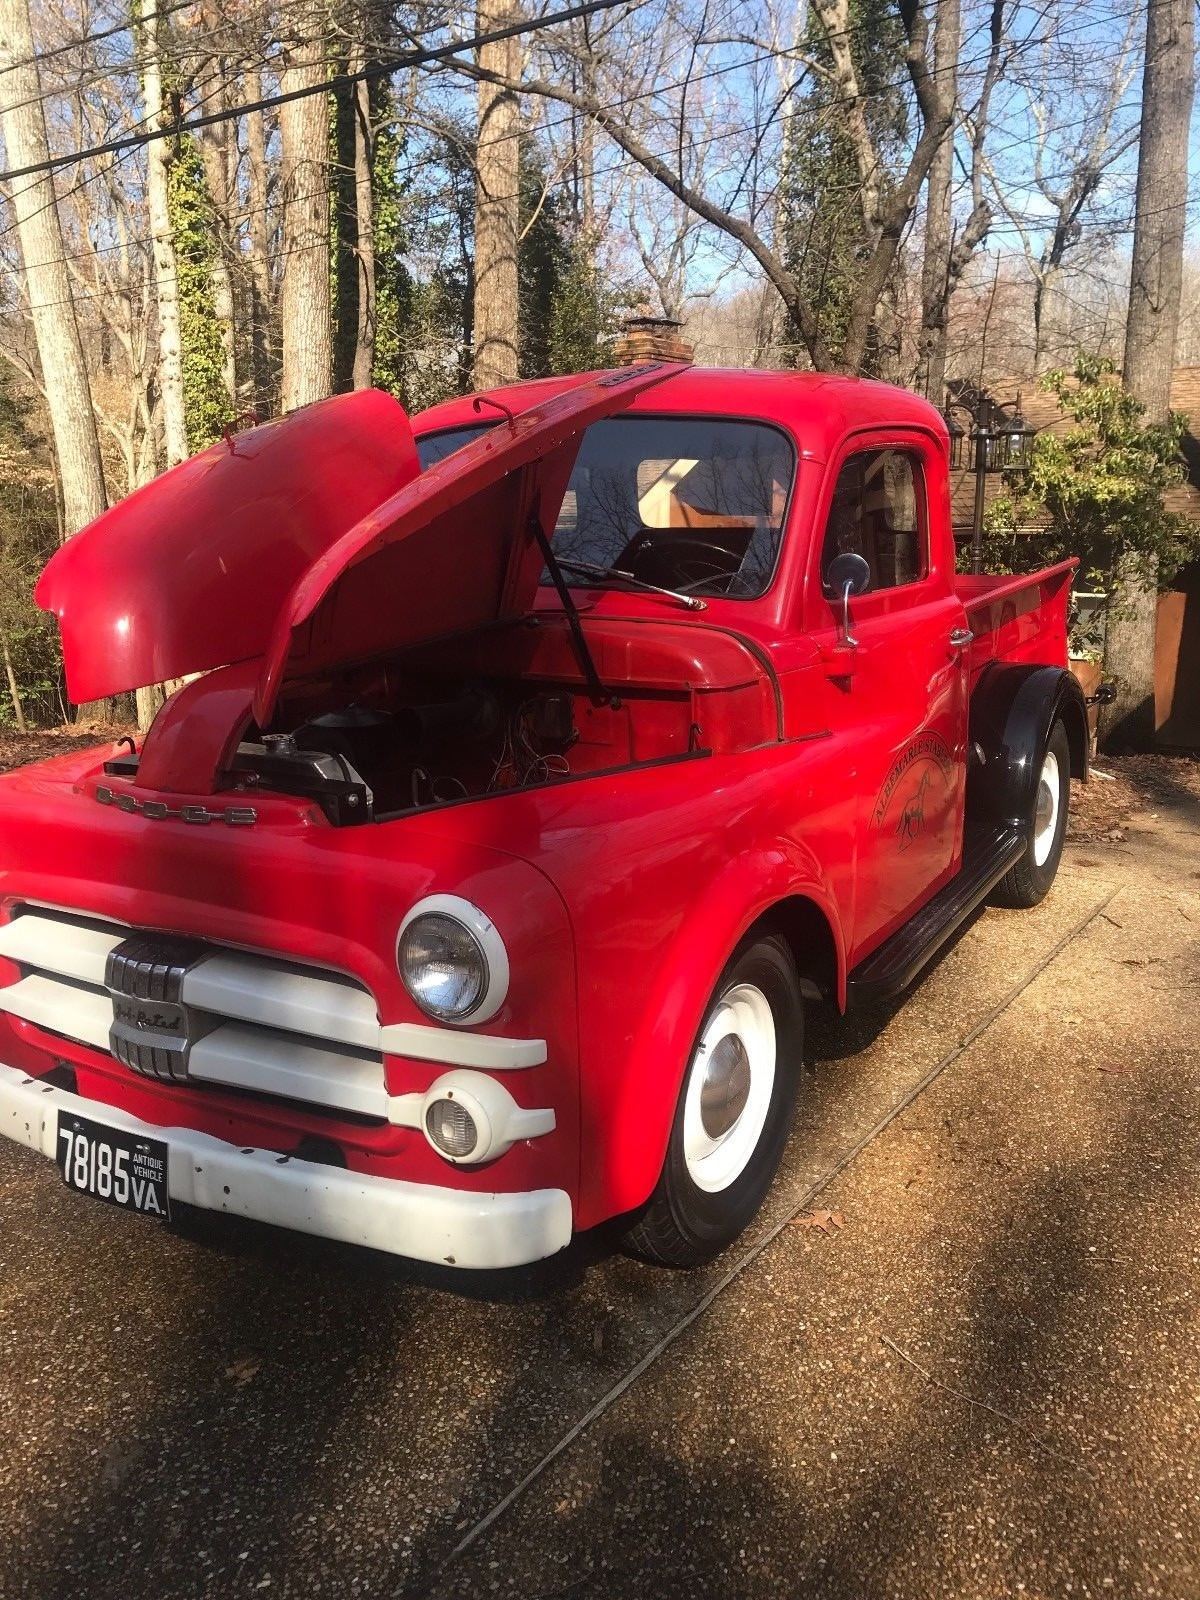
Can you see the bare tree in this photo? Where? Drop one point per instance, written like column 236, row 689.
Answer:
column 218, row 154
column 47, row 281
column 887, row 206
column 1072, row 155
column 1155, row 290
column 497, row 202
column 354, row 273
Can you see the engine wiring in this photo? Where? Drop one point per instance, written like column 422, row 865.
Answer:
column 521, row 757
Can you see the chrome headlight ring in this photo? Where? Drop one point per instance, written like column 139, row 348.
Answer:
column 450, row 914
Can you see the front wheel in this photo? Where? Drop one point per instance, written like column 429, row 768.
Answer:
column 1028, row 881
column 734, row 1112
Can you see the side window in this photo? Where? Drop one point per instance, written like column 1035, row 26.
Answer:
column 878, row 512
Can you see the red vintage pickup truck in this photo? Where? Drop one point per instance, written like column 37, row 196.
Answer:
column 537, row 762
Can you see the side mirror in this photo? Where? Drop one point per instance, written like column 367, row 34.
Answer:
column 847, row 574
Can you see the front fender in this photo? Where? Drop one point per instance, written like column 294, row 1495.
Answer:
column 628, row 1103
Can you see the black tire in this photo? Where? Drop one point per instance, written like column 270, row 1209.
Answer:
column 1028, row 881
column 684, row 1224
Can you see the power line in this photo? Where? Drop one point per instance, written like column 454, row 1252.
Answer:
column 340, row 80
column 397, row 63
column 604, row 170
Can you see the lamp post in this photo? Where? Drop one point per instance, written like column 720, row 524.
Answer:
column 996, row 448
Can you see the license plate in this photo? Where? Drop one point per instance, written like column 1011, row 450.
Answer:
column 110, row 1164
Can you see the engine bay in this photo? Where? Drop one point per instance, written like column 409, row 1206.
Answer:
column 495, row 712
column 369, row 761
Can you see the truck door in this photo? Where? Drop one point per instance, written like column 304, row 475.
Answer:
column 897, row 686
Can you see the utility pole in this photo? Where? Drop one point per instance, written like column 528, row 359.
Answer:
column 1156, row 283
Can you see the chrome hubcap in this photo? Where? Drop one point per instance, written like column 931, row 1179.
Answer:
column 726, row 1086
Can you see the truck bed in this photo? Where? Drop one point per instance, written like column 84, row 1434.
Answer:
column 1021, row 618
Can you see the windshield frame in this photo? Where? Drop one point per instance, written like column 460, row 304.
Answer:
column 600, row 586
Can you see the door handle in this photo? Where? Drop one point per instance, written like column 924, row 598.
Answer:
column 961, row 638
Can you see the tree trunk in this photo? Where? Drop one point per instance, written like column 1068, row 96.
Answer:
column 47, row 284
column 158, row 163
column 1156, row 283
column 214, row 146
column 304, row 297
column 364, row 185
column 935, row 273
column 354, row 276
column 262, row 354
column 13, row 689
column 497, row 203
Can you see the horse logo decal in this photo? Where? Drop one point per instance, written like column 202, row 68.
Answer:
column 902, row 808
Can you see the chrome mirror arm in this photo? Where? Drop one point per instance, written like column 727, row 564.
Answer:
column 848, row 638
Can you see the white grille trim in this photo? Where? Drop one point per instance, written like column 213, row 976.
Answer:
column 307, row 1035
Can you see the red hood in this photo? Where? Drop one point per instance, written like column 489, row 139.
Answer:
column 191, row 571
column 315, row 540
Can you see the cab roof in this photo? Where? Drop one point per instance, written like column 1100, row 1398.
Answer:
column 819, row 408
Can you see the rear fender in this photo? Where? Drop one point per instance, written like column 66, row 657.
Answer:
column 1013, row 709
column 630, row 1114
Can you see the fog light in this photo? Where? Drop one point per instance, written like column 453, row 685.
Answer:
column 451, row 1128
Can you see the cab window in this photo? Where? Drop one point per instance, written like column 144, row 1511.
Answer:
column 694, row 504
column 878, row 512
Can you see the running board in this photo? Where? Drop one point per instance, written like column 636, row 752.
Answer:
column 892, row 967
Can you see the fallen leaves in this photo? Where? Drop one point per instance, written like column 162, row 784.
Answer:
column 826, row 1222
column 241, row 1371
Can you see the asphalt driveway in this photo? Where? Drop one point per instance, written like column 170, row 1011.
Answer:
column 984, row 1381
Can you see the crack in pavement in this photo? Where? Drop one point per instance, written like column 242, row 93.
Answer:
column 801, row 1203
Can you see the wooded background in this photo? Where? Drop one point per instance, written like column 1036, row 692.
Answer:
column 220, row 207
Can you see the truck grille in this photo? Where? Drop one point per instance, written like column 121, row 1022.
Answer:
column 183, row 1011
column 152, row 1031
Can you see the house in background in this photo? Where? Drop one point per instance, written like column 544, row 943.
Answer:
column 1020, row 403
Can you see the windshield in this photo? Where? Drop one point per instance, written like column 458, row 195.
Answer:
column 692, row 504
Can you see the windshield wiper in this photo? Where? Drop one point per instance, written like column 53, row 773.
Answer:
column 691, row 601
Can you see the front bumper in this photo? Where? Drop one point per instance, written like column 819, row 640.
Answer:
column 421, row 1221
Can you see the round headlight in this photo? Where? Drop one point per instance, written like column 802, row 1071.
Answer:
column 452, row 959
column 443, row 966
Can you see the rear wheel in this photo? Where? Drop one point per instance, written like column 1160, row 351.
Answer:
column 734, row 1112
column 1029, row 880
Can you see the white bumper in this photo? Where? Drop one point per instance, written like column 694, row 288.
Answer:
column 418, row 1220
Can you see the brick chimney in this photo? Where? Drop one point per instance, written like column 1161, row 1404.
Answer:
column 647, row 338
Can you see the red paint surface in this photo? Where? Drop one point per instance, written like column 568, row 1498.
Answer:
column 787, row 768
column 190, row 571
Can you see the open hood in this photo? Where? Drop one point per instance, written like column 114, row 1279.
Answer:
column 452, row 550
column 315, row 541
column 190, row 572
